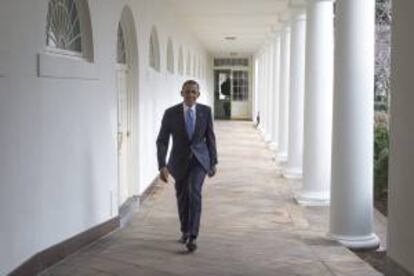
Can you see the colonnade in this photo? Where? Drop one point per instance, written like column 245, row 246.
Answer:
column 316, row 109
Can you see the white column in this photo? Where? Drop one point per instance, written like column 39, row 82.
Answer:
column 276, row 88
column 281, row 155
column 401, row 189
column 255, row 103
column 261, row 92
column 318, row 104
column 351, row 211
column 269, row 93
column 265, row 93
column 293, row 169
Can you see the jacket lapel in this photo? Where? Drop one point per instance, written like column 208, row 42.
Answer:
column 181, row 120
column 199, row 119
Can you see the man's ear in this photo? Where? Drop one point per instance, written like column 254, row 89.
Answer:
column 198, row 94
column 182, row 93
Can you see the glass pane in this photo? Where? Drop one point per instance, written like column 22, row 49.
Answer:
column 240, row 86
column 63, row 26
column 121, row 53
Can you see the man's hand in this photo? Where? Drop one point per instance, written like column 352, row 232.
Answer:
column 212, row 171
column 164, row 173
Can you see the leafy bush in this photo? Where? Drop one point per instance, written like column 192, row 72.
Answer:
column 381, row 153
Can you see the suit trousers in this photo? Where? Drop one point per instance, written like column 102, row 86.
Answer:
column 188, row 193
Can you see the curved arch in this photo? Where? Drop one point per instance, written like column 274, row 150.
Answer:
column 127, row 27
column 68, row 27
column 127, row 76
column 181, row 61
column 170, row 56
column 154, row 50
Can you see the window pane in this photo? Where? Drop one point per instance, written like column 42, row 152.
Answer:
column 121, row 53
column 63, row 29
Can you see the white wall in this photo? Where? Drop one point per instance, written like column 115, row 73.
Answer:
column 58, row 158
column 401, row 189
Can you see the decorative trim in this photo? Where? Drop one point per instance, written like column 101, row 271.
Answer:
column 54, row 65
column 52, row 255
column 307, row 198
column 395, row 269
column 56, row 253
column 127, row 209
column 370, row 241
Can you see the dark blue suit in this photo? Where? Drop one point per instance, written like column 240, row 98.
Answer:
column 189, row 161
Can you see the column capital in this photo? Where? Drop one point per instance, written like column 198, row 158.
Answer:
column 268, row 40
column 297, row 10
column 276, row 30
column 298, row 15
column 285, row 23
column 297, row 5
column 284, row 19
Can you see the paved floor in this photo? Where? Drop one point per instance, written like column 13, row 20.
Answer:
column 250, row 226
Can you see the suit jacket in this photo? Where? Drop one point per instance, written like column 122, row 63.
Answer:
column 202, row 145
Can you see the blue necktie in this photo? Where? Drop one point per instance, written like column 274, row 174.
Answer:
column 190, row 123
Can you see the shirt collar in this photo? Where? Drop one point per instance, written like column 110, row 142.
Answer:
column 187, row 107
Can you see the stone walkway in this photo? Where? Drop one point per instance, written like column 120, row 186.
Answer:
column 250, row 226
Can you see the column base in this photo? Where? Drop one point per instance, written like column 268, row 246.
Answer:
column 273, row 146
column 312, row 198
column 281, row 159
column 291, row 173
column 261, row 130
column 357, row 242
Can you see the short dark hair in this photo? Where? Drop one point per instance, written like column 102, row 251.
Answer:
column 191, row 82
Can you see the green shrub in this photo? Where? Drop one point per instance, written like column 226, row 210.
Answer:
column 381, row 152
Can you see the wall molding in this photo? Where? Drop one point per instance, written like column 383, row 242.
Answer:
column 56, row 253
column 155, row 184
column 52, row 255
column 60, row 66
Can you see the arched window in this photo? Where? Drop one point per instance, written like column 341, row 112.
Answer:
column 188, row 65
column 181, row 61
column 170, row 56
column 68, row 27
column 154, row 50
column 121, row 55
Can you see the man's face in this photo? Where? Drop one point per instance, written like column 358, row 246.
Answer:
column 190, row 94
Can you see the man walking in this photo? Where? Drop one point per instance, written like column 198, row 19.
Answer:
column 193, row 155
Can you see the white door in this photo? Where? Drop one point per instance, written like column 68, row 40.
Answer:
column 123, row 132
column 240, row 98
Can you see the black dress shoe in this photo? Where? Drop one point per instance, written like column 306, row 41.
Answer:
column 183, row 239
column 191, row 245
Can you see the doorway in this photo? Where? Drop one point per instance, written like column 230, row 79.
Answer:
column 126, row 80
column 222, row 94
column 231, row 94
column 124, row 133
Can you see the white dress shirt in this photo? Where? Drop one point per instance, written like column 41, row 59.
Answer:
column 186, row 108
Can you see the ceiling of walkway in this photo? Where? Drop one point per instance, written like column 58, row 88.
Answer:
column 249, row 22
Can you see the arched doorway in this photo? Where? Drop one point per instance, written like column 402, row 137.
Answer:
column 126, row 72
